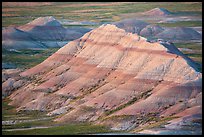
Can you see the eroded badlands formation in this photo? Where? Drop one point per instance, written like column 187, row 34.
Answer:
column 151, row 31
column 158, row 12
column 43, row 32
column 113, row 77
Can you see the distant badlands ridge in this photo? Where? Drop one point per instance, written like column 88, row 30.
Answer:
column 158, row 12
column 112, row 77
column 45, row 32
column 153, row 32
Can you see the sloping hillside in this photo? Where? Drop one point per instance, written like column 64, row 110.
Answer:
column 43, row 32
column 112, row 77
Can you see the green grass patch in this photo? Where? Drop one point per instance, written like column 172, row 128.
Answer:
column 193, row 46
column 26, row 58
column 84, row 128
column 7, row 110
column 196, row 54
column 28, row 124
column 55, row 128
column 64, row 10
column 182, row 24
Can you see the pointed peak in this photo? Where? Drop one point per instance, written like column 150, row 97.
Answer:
column 42, row 21
column 110, row 27
column 158, row 11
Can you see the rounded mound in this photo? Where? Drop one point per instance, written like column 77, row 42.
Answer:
column 179, row 33
column 131, row 25
column 151, row 30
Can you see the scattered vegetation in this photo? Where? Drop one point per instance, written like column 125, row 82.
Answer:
column 7, row 110
column 155, row 123
column 132, row 101
column 118, row 117
column 9, row 113
column 89, row 90
column 87, row 108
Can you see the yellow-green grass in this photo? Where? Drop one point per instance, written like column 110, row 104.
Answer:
column 69, row 129
column 182, row 24
column 9, row 113
column 110, row 12
column 26, row 58
column 195, row 54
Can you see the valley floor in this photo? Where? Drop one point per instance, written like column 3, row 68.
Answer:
column 38, row 123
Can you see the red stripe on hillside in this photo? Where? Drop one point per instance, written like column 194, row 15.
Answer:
column 131, row 49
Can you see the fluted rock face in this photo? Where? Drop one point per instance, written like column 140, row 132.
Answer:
column 109, row 72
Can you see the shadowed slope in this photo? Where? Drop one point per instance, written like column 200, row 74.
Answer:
column 43, row 32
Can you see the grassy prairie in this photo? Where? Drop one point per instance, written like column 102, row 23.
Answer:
column 70, row 129
column 6, row 109
column 195, row 54
column 193, row 46
column 9, row 113
column 97, row 12
column 182, row 24
column 26, row 58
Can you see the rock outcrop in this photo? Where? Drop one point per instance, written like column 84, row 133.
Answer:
column 111, row 75
column 10, row 81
